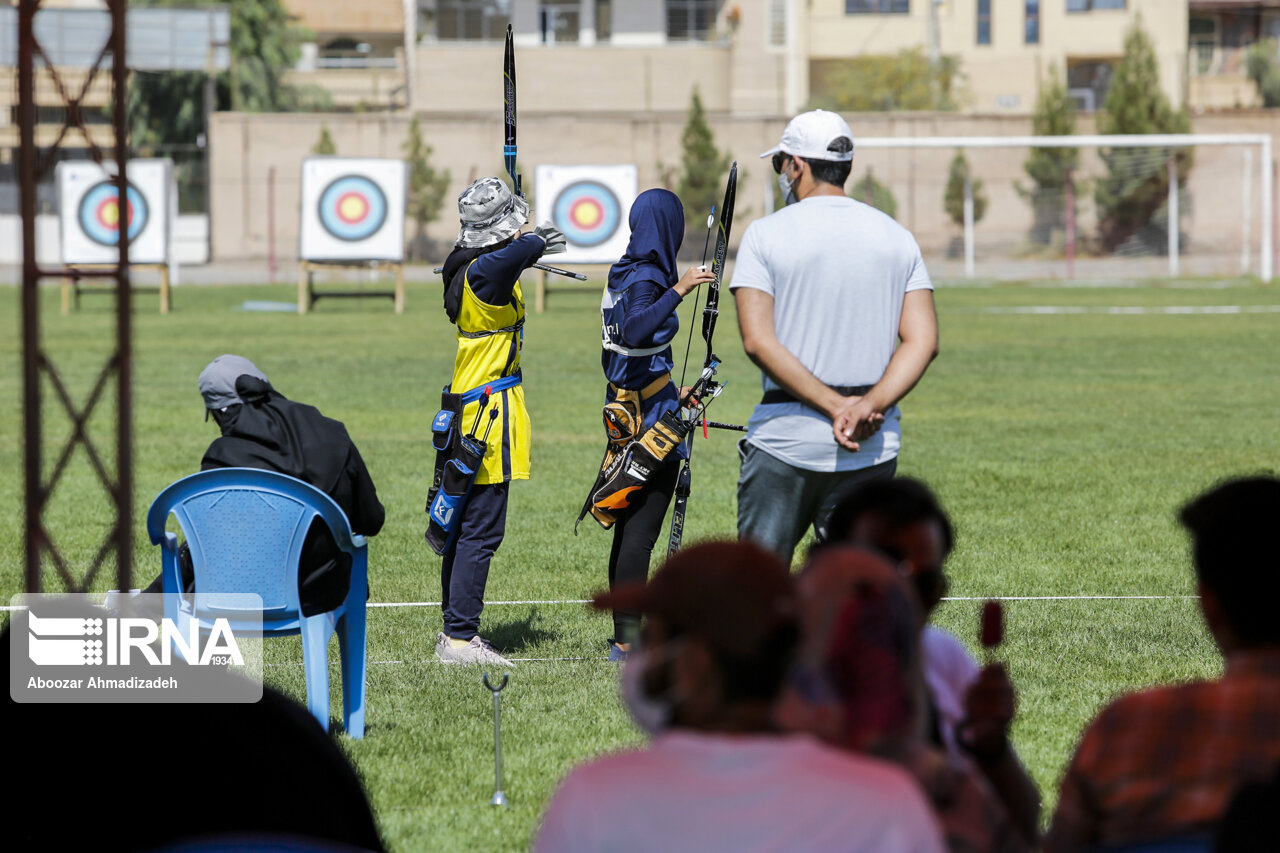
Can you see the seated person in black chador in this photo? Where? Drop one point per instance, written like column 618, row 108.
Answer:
column 263, row 429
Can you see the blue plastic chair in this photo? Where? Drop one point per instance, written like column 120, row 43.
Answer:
column 245, row 528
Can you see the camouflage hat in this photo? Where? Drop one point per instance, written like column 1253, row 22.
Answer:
column 489, row 214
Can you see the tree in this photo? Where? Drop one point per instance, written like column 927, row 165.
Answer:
column 953, row 197
column 703, row 169
column 324, row 145
column 1136, row 185
column 870, row 191
column 1050, row 168
column 903, row 81
column 427, row 186
column 1262, row 64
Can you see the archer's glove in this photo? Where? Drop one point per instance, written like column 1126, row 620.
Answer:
column 551, row 235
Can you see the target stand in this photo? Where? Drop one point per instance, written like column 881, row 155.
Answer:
column 92, row 278
column 541, row 289
column 352, row 218
column 308, row 295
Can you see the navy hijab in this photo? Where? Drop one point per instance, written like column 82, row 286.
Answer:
column 657, row 230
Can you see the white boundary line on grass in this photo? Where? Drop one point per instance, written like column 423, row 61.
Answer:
column 1133, row 309
column 391, row 604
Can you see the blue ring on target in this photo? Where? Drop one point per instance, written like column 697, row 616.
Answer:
column 587, row 212
column 99, row 214
column 352, row 208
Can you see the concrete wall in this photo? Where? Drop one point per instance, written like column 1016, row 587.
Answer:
column 246, row 148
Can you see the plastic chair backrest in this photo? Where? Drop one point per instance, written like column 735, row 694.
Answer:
column 246, row 528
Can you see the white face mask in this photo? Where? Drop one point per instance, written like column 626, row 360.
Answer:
column 787, row 188
column 651, row 715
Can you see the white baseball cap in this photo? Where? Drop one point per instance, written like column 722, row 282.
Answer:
column 811, row 135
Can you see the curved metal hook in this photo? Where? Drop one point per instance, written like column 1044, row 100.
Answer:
column 505, row 678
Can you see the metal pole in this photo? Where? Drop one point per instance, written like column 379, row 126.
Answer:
column 499, row 796
column 30, row 293
column 1172, row 210
column 1071, row 225
column 969, row 266
column 1246, row 213
column 271, row 224
column 124, row 306
column 1266, row 170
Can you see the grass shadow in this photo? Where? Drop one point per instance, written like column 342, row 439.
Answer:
column 519, row 635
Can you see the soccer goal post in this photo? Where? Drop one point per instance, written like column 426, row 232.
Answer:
column 1091, row 207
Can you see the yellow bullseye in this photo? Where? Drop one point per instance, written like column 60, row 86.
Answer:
column 111, row 215
column 353, row 208
column 587, row 215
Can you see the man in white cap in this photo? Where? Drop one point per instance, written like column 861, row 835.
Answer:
column 483, row 298
column 825, row 288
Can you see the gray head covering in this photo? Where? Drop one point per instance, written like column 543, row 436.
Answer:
column 489, row 214
column 218, row 381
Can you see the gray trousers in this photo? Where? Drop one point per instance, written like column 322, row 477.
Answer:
column 777, row 502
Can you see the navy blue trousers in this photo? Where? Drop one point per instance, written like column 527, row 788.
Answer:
column 465, row 569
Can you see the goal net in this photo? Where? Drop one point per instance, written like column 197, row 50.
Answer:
column 1100, row 208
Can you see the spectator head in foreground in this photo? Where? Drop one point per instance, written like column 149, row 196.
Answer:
column 857, row 685
column 718, row 636
column 856, row 682
column 1235, row 554
column 902, row 519
column 716, row 645
column 1165, row 762
column 219, row 381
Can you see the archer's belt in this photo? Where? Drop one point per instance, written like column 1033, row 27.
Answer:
column 649, row 390
column 777, row 395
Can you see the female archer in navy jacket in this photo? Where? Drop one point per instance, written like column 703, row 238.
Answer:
column 639, row 319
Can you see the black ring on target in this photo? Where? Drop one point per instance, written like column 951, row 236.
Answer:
column 99, row 213
column 587, row 212
column 352, row 208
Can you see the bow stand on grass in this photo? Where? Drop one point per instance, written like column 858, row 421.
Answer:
column 693, row 404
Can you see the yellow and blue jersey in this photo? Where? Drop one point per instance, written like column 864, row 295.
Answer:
column 490, row 340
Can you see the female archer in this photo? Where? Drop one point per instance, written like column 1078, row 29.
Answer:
column 639, row 318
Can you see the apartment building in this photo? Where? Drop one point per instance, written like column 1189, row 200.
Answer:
column 1005, row 47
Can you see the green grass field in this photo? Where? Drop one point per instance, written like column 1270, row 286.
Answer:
column 1062, row 444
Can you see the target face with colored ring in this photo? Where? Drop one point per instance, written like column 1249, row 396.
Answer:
column 588, row 213
column 100, row 216
column 352, row 208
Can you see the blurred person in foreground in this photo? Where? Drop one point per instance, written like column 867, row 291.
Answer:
column 1164, row 763
column 857, row 686
column 835, row 307
column 718, row 639
column 969, row 709
column 261, row 428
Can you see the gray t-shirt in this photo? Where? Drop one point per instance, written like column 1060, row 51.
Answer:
column 838, row 271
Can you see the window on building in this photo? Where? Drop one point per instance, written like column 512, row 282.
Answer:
column 604, row 20
column 984, row 21
column 472, row 20
column 1088, row 82
column 777, row 34
column 1033, row 22
column 690, row 20
column 559, row 20
column 877, row 7
column 1094, row 5
column 1202, row 35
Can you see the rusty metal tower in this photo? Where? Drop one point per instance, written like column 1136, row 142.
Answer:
column 38, row 367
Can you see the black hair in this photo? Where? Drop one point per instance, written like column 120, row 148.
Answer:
column 760, row 674
column 1235, row 555
column 834, row 172
column 899, row 500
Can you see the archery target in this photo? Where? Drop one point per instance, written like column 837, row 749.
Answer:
column 590, row 204
column 352, row 209
column 92, row 218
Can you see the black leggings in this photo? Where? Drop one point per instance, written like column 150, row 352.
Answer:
column 633, row 538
